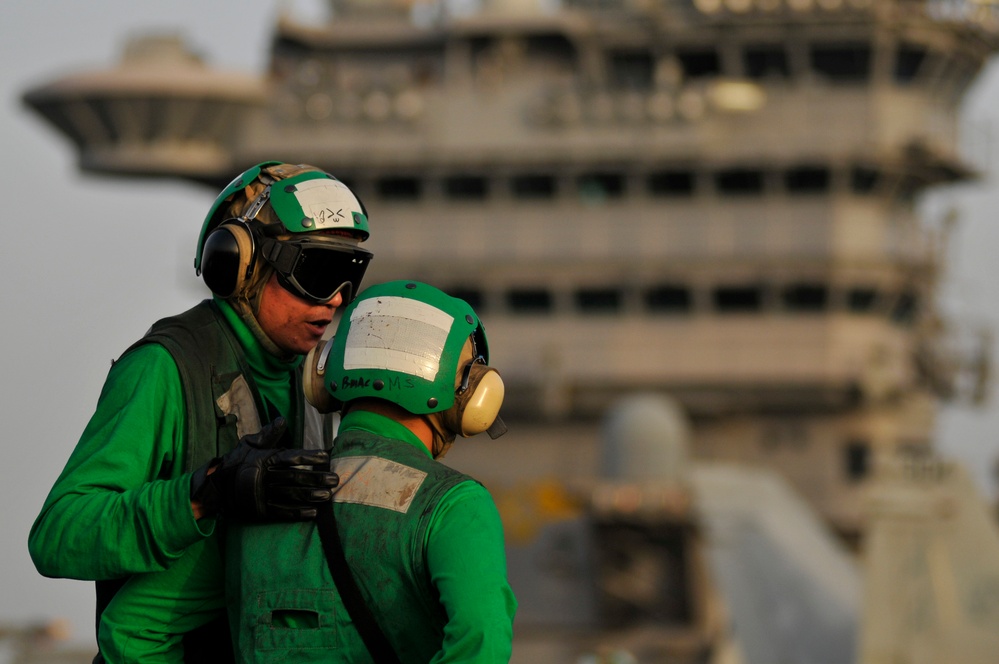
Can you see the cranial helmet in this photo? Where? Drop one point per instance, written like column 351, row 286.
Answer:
column 415, row 346
column 296, row 220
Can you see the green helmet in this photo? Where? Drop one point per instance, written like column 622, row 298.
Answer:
column 304, row 199
column 292, row 219
column 402, row 341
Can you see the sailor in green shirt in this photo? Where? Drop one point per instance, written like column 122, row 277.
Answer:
column 423, row 542
column 180, row 442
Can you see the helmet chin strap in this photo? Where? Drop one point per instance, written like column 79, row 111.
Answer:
column 247, row 304
column 443, row 437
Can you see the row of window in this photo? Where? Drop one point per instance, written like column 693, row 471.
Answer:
column 856, row 453
column 634, row 68
column 679, row 299
column 858, row 457
column 806, row 180
column 840, row 62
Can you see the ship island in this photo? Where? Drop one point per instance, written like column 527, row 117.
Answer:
column 693, row 231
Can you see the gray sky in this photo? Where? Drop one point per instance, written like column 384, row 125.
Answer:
column 89, row 263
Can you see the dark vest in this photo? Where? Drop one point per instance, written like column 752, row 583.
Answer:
column 275, row 572
column 217, row 384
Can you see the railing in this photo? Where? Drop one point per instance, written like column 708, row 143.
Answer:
column 983, row 14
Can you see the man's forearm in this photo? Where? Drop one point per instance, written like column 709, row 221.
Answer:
column 106, row 534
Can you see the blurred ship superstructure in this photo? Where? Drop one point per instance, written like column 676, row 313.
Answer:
column 711, row 199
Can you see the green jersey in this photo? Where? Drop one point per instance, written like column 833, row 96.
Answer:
column 121, row 509
column 424, row 542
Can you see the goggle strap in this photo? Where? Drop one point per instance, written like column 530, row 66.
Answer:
column 280, row 254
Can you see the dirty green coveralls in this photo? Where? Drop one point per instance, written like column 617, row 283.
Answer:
column 424, row 542
column 121, row 507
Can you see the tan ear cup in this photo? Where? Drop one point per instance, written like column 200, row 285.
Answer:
column 244, row 241
column 475, row 410
column 483, row 405
column 313, row 384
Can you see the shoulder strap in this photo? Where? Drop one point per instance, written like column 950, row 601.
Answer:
column 378, row 645
column 208, row 358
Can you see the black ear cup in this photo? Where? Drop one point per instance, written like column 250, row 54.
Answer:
column 227, row 259
column 475, row 409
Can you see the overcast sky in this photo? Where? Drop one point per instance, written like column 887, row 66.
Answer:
column 88, row 263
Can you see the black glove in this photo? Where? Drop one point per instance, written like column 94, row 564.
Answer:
column 259, row 481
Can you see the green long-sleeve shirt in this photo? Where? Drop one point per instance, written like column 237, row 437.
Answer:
column 442, row 596
column 465, row 558
column 121, row 507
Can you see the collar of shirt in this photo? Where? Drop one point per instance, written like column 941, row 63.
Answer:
column 272, row 375
column 262, row 362
column 380, row 425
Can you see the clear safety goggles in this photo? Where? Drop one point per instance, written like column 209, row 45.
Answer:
column 317, row 270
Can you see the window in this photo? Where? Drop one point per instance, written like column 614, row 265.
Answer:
column 699, row 63
column 631, row 70
column 671, row 183
column 398, row 188
column 857, row 460
column 533, row 186
column 805, row 297
column 598, row 300
column 466, row 187
column 739, row 182
column 864, row 180
column 472, row 296
column 847, row 62
column 905, row 309
column 806, row 180
column 760, row 62
column 480, row 48
column 669, row 299
column 861, row 300
column 552, row 47
column 600, row 186
column 738, row 299
column 529, row 300
column 908, row 61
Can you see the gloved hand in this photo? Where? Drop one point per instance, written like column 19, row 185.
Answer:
column 258, row 481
